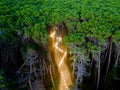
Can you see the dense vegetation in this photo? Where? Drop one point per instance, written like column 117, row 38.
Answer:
column 90, row 18
column 93, row 30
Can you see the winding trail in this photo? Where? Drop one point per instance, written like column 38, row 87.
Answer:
column 65, row 76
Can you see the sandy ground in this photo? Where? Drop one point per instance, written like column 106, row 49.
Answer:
column 65, row 77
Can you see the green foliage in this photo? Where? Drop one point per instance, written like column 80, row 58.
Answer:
column 84, row 18
column 110, row 79
column 2, row 84
column 100, row 18
column 7, row 84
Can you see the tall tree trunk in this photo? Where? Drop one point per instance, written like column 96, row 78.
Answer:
column 98, row 78
column 109, row 58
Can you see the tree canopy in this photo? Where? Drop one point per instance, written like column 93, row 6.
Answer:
column 100, row 19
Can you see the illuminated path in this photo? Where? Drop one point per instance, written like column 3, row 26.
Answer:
column 65, row 77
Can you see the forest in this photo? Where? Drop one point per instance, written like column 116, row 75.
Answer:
column 59, row 44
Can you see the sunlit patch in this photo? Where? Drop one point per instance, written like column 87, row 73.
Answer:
column 57, row 43
column 63, row 78
column 61, row 61
column 65, row 84
column 52, row 34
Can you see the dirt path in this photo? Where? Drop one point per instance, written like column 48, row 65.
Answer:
column 65, row 76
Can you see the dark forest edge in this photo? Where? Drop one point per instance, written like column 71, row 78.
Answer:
column 91, row 31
